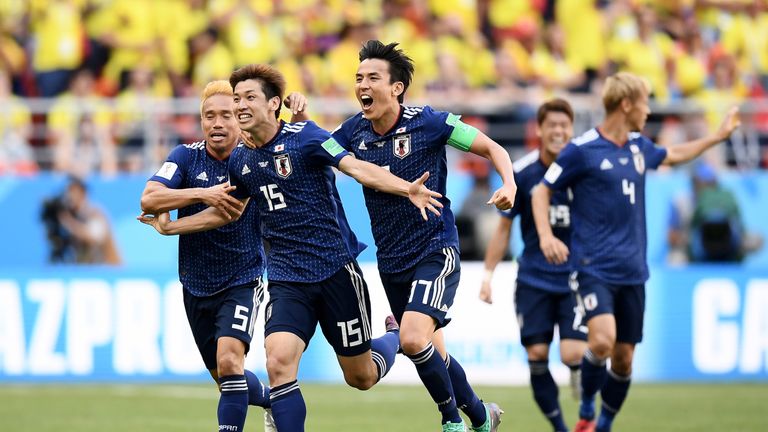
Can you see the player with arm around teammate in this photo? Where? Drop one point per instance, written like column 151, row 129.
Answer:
column 312, row 269
column 220, row 270
column 419, row 261
column 543, row 298
column 605, row 168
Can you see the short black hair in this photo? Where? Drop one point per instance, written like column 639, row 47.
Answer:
column 554, row 105
column 400, row 65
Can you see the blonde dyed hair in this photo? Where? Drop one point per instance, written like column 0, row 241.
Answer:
column 218, row 87
column 623, row 85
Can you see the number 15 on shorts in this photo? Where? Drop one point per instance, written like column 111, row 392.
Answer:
column 351, row 335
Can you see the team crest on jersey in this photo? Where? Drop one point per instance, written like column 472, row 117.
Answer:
column 637, row 158
column 402, row 146
column 283, row 165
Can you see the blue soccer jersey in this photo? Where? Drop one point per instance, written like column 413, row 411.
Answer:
column 608, row 183
column 415, row 144
column 533, row 269
column 291, row 182
column 211, row 261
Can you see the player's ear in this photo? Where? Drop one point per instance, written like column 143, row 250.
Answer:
column 398, row 88
column 626, row 105
column 274, row 103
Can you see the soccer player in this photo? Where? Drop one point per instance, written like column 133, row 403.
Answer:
column 220, row 270
column 605, row 168
column 418, row 261
column 312, row 268
column 543, row 298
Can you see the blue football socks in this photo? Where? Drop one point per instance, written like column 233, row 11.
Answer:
column 233, row 403
column 434, row 375
column 466, row 399
column 545, row 393
column 288, row 407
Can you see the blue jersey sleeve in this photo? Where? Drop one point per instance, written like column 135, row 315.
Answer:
column 568, row 167
column 654, row 154
column 342, row 136
column 171, row 173
column 319, row 147
column 236, row 167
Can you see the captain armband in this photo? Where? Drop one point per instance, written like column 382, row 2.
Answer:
column 463, row 134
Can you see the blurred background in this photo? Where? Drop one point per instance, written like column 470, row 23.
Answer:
column 95, row 93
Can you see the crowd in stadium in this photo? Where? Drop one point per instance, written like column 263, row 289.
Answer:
column 107, row 58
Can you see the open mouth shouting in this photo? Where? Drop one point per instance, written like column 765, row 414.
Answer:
column 366, row 101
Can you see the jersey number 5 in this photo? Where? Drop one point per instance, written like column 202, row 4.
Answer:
column 274, row 198
column 628, row 188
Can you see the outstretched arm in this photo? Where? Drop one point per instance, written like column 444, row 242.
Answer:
column 687, row 151
column 157, row 198
column 504, row 197
column 493, row 255
column 378, row 178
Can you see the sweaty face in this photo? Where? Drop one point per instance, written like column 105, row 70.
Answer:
column 218, row 122
column 252, row 107
column 555, row 132
column 373, row 90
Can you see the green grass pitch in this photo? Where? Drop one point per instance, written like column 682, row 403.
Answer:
column 191, row 408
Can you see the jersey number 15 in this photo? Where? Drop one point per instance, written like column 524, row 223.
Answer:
column 274, row 198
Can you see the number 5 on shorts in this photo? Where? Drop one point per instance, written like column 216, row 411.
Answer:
column 241, row 314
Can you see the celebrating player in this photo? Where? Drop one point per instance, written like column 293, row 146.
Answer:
column 543, row 298
column 312, row 268
column 221, row 270
column 418, row 261
column 605, row 168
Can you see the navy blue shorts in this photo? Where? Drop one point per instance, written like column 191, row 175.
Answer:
column 340, row 304
column 539, row 311
column 231, row 312
column 429, row 287
column 625, row 302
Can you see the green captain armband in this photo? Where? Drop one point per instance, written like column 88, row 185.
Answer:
column 462, row 135
column 332, row 147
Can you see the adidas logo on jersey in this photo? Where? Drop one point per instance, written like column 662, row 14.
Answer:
column 606, row 165
column 444, row 308
column 362, row 145
column 245, row 170
column 202, row 176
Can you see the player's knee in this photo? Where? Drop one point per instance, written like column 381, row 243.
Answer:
column 621, row 363
column 360, row 380
column 538, row 353
column 412, row 343
column 602, row 345
column 229, row 363
column 278, row 365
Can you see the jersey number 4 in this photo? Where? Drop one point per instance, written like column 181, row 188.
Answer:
column 274, row 198
column 628, row 188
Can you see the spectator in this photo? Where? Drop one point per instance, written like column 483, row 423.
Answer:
column 79, row 125
column 707, row 227
column 57, row 29
column 15, row 153
column 77, row 230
